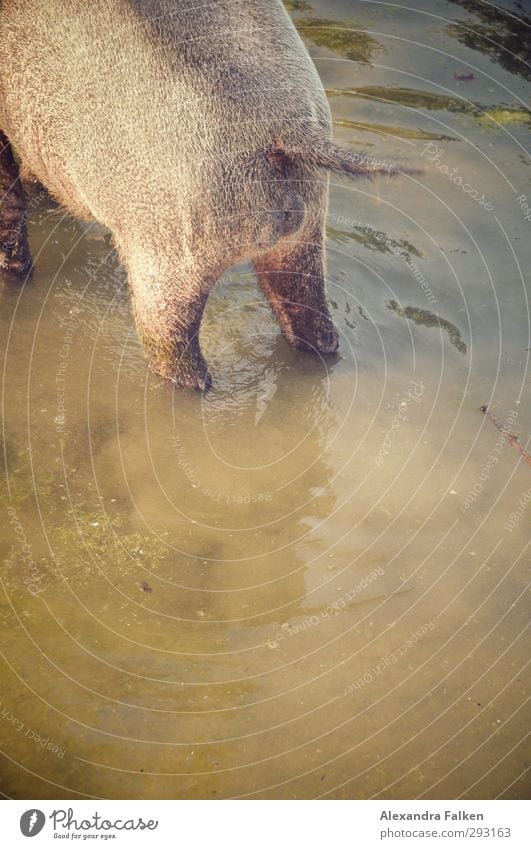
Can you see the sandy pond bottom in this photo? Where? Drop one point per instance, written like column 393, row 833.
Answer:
column 311, row 581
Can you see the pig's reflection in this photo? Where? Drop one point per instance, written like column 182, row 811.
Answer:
column 236, row 485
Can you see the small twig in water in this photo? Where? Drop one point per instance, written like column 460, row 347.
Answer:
column 510, row 436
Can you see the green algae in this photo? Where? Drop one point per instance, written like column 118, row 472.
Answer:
column 96, row 539
column 415, row 99
column 83, row 539
column 500, row 115
column 411, row 97
column 392, row 130
column 297, row 6
column 18, row 486
column 86, row 541
column 344, row 37
column 373, row 239
column 430, row 319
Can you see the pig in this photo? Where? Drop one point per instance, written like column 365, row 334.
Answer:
column 198, row 133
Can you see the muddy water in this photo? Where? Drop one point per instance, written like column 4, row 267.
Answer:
column 311, row 581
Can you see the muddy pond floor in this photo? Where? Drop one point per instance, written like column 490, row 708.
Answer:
column 310, row 582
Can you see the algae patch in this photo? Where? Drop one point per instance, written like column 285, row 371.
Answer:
column 411, row 97
column 344, row 37
column 297, row 6
column 373, row 239
column 86, row 546
column 489, row 116
column 94, row 540
column 499, row 115
column 430, row 319
column 392, row 130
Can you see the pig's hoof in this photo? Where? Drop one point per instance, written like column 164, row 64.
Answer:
column 18, row 264
column 185, row 375
column 327, row 342
column 200, row 382
column 324, row 340
column 185, row 367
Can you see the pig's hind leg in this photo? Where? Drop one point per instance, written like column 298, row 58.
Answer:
column 14, row 250
column 292, row 277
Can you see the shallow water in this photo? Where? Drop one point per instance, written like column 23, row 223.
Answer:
column 309, row 582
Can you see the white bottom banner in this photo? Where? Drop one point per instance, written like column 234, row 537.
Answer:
column 263, row 824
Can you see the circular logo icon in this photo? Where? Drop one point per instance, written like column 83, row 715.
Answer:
column 31, row 822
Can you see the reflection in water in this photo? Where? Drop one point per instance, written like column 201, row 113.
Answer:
column 310, row 581
column 498, row 34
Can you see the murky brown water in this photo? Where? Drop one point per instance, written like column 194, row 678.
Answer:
column 308, row 582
